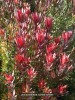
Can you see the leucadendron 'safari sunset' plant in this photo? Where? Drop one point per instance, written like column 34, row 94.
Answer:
column 41, row 60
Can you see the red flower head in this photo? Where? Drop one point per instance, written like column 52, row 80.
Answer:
column 19, row 58
column 31, row 72
column 57, row 40
column 64, row 59
column 48, row 23
column 9, row 78
column 40, row 36
column 20, row 41
column 35, row 17
column 51, row 47
column 62, row 89
column 50, row 58
column 41, row 84
column 66, row 36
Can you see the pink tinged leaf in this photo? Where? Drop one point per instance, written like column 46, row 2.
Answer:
column 49, row 37
column 70, row 68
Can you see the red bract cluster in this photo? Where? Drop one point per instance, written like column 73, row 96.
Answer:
column 19, row 58
column 64, row 59
column 20, row 41
column 62, row 89
column 19, row 15
column 48, row 23
column 40, row 36
column 31, row 73
column 57, row 40
column 51, row 47
column 50, row 58
column 35, row 17
column 41, row 84
column 66, row 36
column 22, row 14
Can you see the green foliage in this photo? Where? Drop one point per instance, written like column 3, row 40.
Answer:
column 62, row 16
